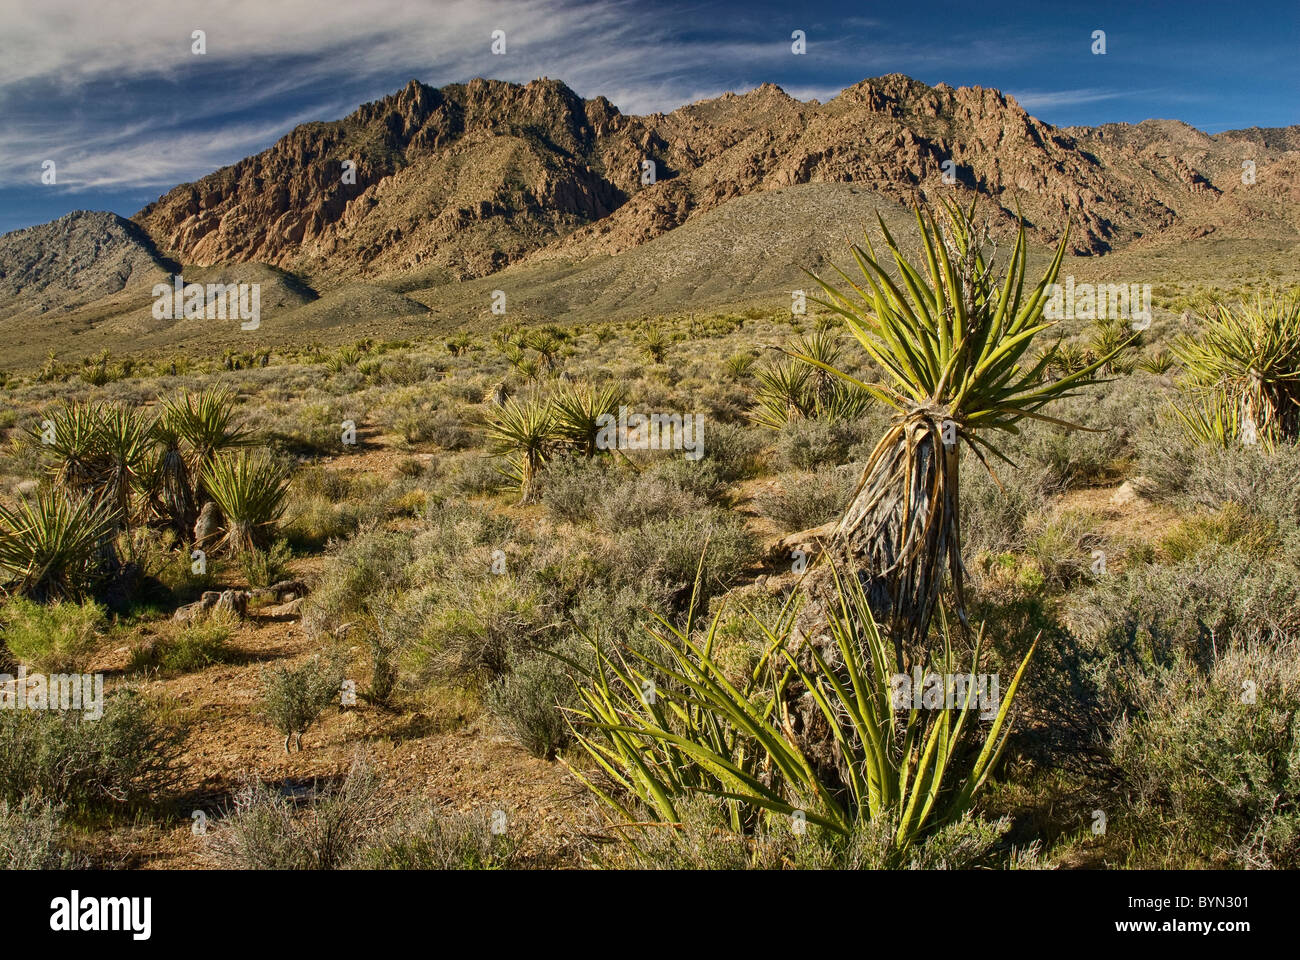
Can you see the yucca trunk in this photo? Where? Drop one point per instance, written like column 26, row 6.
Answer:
column 900, row 535
column 901, row 531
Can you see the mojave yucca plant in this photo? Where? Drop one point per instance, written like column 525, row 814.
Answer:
column 205, row 421
column 250, row 490
column 664, row 725
column 1248, row 355
column 578, row 409
column 50, row 546
column 953, row 341
column 525, row 432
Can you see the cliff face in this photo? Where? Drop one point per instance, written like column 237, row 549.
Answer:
column 464, row 180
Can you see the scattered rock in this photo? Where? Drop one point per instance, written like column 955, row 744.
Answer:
column 291, row 609
column 1130, row 491
column 230, row 602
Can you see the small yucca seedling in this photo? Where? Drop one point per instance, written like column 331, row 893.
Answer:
column 578, row 409
column 460, row 345
column 250, row 490
column 822, row 349
column 739, row 364
column 50, row 546
column 526, row 433
column 1111, row 338
column 1158, row 362
column 206, row 422
column 547, row 347
column 71, row 435
column 126, row 443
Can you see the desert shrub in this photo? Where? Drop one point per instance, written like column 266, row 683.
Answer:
column 526, row 703
column 197, row 646
column 1061, row 544
column 449, row 428
column 52, row 638
column 475, row 476
column 32, row 837
column 1115, row 418
column 808, row 499
column 294, row 697
column 705, row 841
column 473, row 630
column 1262, row 483
column 700, row 478
column 441, row 841
column 573, row 487
column 263, row 567
column 804, row 444
column 1151, row 614
column 1213, row 760
column 994, row 512
column 266, row 830
column 126, row 755
column 735, row 451
column 650, row 495
column 365, row 568
column 666, row 553
column 311, row 522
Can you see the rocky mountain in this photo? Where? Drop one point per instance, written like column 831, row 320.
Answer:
column 75, row 260
column 463, row 180
column 400, row 215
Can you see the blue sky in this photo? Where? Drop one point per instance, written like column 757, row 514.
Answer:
column 113, row 94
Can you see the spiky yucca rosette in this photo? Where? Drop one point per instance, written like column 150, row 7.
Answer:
column 953, row 342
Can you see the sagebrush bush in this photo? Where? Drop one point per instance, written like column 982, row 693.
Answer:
column 266, row 830
column 59, row 637
column 126, row 756
column 994, row 511
column 367, row 567
column 808, row 499
column 666, row 554
column 294, row 697
column 704, row 841
column 198, row 645
column 735, row 451
column 441, row 841
column 526, row 703
column 1214, row 759
column 32, row 837
column 804, row 444
column 1152, row 613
